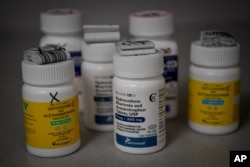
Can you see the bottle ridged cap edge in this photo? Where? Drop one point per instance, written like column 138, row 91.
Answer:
column 160, row 25
column 61, row 23
column 214, row 56
column 48, row 74
column 138, row 66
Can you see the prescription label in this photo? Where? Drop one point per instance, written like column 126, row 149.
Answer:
column 53, row 124
column 140, row 118
column 214, row 103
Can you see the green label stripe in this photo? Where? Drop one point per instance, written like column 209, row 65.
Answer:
column 59, row 122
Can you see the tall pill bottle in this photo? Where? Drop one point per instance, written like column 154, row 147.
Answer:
column 50, row 106
column 139, row 103
column 158, row 27
column 64, row 27
column 214, row 88
column 98, row 74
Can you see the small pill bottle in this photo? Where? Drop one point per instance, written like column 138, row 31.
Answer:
column 158, row 27
column 139, row 103
column 214, row 88
column 97, row 70
column 50, row 106
column 64, row 27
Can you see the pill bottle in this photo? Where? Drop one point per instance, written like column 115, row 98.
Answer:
column 214, row 88
column 64, row 27
column 139, row 103
column 97, row 70
column 158, row 27
column 50, row 106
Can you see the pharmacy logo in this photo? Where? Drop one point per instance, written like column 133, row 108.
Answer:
column 25, row 105
column 127, row 140
column 136, row 142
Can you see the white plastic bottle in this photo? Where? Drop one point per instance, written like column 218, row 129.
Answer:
column 158, row 27
column 139, row 102
column 97, row 69
column 64, row 27
column 214, row 88
column 50, row 105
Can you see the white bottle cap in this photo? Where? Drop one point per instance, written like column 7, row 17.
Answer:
column 138, row 66
column 151, row 23
column 61, row 21
column 48, row 74
column 98, row 52
column 101, row 33
column 214, row 56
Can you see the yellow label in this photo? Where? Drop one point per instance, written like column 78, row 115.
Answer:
column 52, row 124
column 214, row 103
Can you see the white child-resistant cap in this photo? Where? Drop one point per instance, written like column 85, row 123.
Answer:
column 61, row 21
column 151, row 23
column 138, row 66
column 98, row 52
column 48, row 74
column 214, row 56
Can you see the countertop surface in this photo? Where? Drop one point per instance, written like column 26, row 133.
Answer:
column 184, row 147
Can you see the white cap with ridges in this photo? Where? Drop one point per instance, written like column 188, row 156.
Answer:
column 61, row 21
column 151, row 23
column 48, row 74
column 138, row 66
column 214, row 56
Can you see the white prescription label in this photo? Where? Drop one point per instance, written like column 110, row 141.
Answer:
column 140, row 118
